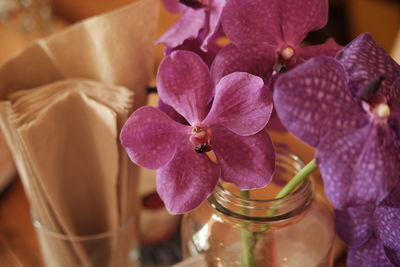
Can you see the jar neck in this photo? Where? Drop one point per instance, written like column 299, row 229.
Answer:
column 268, row 210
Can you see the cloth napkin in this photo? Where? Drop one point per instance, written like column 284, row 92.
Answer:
column 63, row 101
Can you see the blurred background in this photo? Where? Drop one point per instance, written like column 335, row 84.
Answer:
column 23, row 21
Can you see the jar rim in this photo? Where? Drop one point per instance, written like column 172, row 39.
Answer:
column 234, row 205
column 297, row 193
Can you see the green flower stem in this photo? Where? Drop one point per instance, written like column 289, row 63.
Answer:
column 248, row 239
column 297, row 179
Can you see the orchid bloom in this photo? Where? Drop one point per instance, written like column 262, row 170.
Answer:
column 231, row 129
column 267, row 35
column 371, row 232
column 348, row 108
column 196, row 28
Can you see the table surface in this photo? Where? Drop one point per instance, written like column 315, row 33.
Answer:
column 18, row 243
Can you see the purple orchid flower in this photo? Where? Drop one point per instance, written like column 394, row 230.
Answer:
column 350, row 113
column 231, row 128
column 371, row 232
column 267, row 35
column 198, row 26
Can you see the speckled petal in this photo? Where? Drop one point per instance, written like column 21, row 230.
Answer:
column 258, row 60
column 252, row 22
column 300, row 17
column 359, row 167
column 187, row 180
column 173, row 6
column 193, row 45
column 369, row 255
column 171, row 112
column 394, row 95
column 248, row 162
column 354, row 225
column 312, row 99
column 364, row 60
column 242, row 104
column 329, row 48
column 387, row 219
column 187, row 27
column 393, row 255
column 184, row 82
column 214, row 23
column 151, row 137
column 394, row 124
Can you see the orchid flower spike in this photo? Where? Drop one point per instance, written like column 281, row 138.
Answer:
column 232, row 129
column 372, row 233
column 349, row 109
column 198, row 26
column 267, row 35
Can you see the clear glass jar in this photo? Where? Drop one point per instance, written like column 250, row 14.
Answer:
column 296, row 230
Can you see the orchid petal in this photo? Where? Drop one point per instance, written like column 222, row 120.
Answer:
column 329, row 48
column 393, row 255
column 275, row 124
column 248, row 22
column 173, row 6
column 387, row 220
column 242, row 104
column 371, row 254
column 363, row 60
column 248, row 162
column 354, row 225
column 151, row 137
column 171, row 112
column 215, row 12
column 187, row 27
column 185, row 84
column 394, row 123
column 312, row 99
column 258, row 60
column 300, row 17
column 359, row 167
column 193, row 45
column 187, row 180
column 394, row 95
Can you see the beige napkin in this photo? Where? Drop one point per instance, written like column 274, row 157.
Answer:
column 63, row 102
column 115, row 48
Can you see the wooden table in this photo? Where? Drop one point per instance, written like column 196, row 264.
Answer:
column 18, row 242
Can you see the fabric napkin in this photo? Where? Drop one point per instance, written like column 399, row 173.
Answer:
column 63, row 101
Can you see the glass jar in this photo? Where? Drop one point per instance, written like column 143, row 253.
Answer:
column 296, row 230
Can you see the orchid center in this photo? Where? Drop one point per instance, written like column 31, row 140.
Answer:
column 287, row 53
column 200, row 138
column 286, row 59
column 381, row 111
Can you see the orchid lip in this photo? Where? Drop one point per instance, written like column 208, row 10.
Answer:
column 200, row 138
column 203, row 148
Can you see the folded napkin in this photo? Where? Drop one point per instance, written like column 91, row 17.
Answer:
column 7, row 171
column 63, row 101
